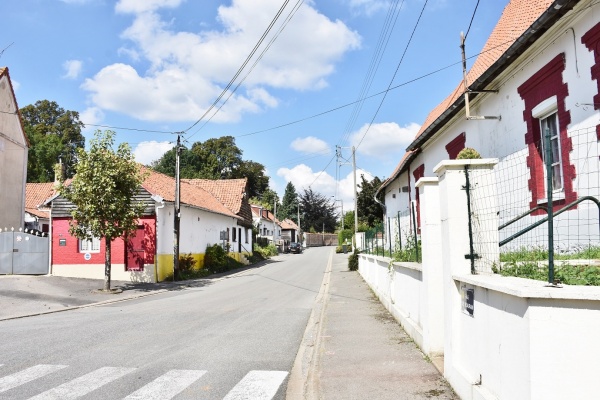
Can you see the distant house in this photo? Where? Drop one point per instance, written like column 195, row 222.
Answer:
column 13, row 157
column 148, row 255
column 539, row 71
column 268, row 226
column 290, row 231
column 37, row 214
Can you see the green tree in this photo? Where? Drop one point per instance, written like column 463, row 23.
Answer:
column 289, row 204
column 267, row 200
column 369, row 211
column 54, row 133
column 215, row 159
column 103, row 192
column 318, row 212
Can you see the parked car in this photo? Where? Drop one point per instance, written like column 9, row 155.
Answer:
column 295, row 247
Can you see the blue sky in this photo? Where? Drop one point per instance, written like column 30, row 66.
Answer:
column 155, row 66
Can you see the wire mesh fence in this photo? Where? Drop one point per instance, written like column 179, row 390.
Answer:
column 547, row 235
column 396, row 238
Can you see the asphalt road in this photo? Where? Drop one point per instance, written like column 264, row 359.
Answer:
column 230, row 339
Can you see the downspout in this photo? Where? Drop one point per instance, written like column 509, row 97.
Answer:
column 157, row 199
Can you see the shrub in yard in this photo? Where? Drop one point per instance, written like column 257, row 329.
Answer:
column 468, row 154
column 353, row 261
column 216, row 260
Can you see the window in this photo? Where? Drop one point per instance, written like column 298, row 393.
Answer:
column 247, row 234
column 233, row 235
column 550, row 124
column 89, row 246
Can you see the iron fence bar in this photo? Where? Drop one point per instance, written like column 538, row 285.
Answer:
column 399, row 233
column 512, row 221
column 543, row 220
column 468, row 190
column 389, row 236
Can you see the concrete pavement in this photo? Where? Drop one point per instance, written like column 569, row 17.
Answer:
column 352, row 347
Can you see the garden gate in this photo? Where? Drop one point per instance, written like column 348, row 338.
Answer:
column 23, row 253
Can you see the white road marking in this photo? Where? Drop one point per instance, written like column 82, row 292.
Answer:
column 257, row 385
column 167, row 386
column 27, row 375
column 84, row 384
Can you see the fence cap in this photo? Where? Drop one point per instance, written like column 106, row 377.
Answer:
column 426, row 181
column 481, row 163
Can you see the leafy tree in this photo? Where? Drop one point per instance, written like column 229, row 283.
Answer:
column 369, row 211
column 267, row 200
column 54, row 133
column 318, row 212
column 215, row 159
column 289, row 204
column 103, row 192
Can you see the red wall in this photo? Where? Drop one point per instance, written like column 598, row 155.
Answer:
column 70, row 254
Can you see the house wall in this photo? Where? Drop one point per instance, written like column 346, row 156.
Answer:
column 198, row 229
column 506, row 139
column 13, row 161
column 67, row 260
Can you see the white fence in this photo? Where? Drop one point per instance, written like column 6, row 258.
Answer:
column 500, row 337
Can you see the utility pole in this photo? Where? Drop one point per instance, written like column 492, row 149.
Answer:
column 355, row 191
column 176, row 213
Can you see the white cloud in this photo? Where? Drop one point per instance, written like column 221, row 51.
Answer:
column 72, row 69
column 385, row 139
column 146, row 152
column 140, row 6
column 310, row 145
column 91, row 116
column 180, row 84
column 304, row 177
column 369, row 7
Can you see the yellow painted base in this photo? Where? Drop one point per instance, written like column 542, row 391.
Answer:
column 164, row 263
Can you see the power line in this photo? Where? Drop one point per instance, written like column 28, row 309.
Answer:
column 472, row 18
column 126, row 129
column 394, row 76
column 239, row 71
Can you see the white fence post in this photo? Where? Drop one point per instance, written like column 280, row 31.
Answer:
column 454, row 247
column 433, row 289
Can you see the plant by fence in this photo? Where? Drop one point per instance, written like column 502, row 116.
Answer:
column 552, row 236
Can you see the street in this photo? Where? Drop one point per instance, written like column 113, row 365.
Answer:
column 229, row 339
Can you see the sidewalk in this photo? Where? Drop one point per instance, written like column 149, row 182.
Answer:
column 27, row 295
column 355, row 349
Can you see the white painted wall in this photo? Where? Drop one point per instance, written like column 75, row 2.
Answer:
column 505, row 139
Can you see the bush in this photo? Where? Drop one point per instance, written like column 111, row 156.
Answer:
column 267, row 251
column 468, row 154
column 339, row 249
column 353, row 261
column 187, row 269
column 345, row 236
column 217, row 260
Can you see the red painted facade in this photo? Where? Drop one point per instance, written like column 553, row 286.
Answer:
column 68, row 253
column 418, row 173
column 545, row 83
column 591, row 40
column 456, row 145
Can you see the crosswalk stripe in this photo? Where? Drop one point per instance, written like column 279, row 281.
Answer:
column 27, row 375
column 257, row 385
column 84, row 384
column 166, row 386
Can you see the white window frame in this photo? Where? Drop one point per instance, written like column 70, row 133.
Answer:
column 546, row 110
column 89, row 246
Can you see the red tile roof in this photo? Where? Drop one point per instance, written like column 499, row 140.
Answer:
column 288, row 224
column 35, row 195
column 164, row 186
column 266, row 214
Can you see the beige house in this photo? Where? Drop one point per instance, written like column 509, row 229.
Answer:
column 13, row 157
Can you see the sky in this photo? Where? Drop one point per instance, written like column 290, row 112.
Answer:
column 150, row 69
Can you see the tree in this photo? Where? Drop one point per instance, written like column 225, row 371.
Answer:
column 54, row 133
column 267, row 200
column 369, row 211
column 215, row 159
column 289, row 204
column 318, row 212
column 103, row 192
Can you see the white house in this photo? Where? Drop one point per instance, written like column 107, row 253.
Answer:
column 268, row 226
column 13, row 157
column 538, row 71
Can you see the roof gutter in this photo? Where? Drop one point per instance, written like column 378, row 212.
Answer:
column 556, row 11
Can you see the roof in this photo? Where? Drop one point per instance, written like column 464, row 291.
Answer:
column 521, row 24
column 288, row 224
column 230, row 192
column 36, row 195
column 164, row 186
column 266, row 214
column 4, row 73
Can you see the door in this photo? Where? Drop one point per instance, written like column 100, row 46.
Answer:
column 136, row 254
